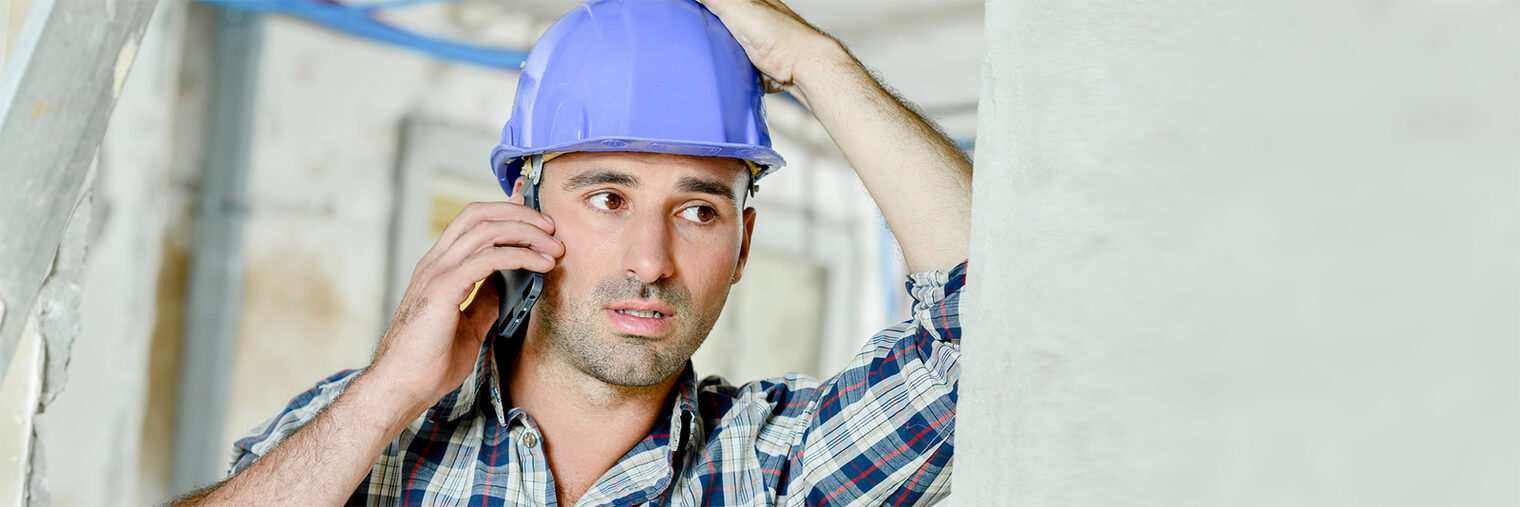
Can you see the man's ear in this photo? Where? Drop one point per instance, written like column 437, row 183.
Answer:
column 749, row 231
column 517, row 195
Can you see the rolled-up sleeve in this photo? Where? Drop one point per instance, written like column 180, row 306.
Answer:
column 882, row 430
column 302, row 409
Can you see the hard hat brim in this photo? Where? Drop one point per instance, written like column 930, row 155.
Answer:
column 506, row 161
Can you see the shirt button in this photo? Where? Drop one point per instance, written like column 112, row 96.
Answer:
column 530, row 439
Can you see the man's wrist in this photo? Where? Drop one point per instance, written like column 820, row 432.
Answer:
column 386, row 400
column 826, row 65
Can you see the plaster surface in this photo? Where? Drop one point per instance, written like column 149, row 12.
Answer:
column 1244, row 253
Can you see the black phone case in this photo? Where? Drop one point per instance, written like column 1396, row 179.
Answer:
column 519, row 288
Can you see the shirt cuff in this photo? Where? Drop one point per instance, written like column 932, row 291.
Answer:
column 931, row 287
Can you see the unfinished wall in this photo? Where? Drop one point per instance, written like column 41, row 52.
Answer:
column 93, row 433
column 1245, row 253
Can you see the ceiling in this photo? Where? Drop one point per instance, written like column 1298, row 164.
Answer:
column 928, row 51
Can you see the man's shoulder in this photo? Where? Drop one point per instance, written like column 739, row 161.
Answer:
column 783, row 395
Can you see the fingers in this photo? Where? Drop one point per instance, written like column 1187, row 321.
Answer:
column 773, row 36
column 484, row 238
column 495, row 233
column 477, row 212
column 455, row 283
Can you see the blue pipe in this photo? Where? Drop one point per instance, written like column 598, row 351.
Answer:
column 356, row 20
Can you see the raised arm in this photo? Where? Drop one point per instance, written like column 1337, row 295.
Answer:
column 429, row 350
column 918, row 177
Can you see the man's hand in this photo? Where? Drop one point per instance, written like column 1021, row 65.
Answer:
column 917, row 175
column 429, row 350
column 777, row 40
column 432, row 345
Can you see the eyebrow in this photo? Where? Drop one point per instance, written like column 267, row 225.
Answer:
column 611, row 177
column 601, row 177
column 706, row 186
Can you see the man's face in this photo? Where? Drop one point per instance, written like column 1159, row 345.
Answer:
column 652, row 244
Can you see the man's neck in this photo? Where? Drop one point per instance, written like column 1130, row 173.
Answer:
column 586, row 424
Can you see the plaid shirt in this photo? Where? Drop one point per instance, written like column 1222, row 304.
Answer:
column 879, row 432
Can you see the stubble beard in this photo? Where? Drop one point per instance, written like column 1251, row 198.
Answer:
column 573, row 329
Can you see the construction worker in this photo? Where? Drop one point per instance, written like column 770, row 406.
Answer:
column 635, row 139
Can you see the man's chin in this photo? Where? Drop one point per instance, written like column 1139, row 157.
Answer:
column 629, row 376
column 629, row 361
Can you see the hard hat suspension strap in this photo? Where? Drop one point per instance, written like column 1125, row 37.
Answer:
column 535, row 174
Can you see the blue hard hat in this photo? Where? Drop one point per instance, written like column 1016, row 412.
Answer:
column 659, row 76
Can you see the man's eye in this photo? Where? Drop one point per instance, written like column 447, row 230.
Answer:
column 699, row 214
column 606, row 201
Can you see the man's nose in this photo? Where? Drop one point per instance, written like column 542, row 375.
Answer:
column 647, row 255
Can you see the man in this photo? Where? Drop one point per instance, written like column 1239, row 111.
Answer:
column 597, row 404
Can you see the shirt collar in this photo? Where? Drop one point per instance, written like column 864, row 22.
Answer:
column 462, row 400
column 683, row 413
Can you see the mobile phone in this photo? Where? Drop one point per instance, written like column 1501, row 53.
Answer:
column 519, row 288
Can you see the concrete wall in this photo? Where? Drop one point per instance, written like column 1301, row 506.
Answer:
column 1254, row 253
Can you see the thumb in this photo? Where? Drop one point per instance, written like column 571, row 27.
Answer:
column 481, row 312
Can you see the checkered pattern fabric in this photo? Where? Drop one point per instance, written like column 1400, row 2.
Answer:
column 881, row 432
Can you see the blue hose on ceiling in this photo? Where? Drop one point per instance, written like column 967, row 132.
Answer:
column 356, row 20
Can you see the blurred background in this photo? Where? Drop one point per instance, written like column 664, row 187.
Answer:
column 268, row 180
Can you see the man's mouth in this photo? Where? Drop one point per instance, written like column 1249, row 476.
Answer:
column 641, row 318
column 648, row 314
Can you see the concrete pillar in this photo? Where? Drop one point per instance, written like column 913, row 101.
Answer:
column 1244, row 253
